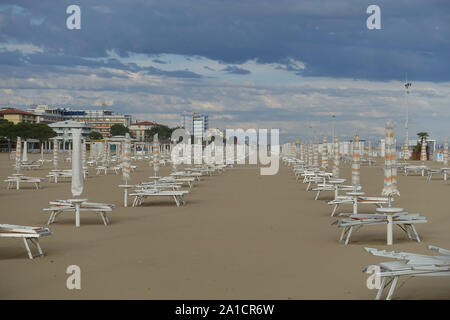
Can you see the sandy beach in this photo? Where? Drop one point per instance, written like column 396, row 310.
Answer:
column 240, row 236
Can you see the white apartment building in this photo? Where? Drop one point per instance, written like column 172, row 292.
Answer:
column 195, row 123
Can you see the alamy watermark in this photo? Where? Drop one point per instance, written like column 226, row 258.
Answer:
column 237, row 146
column 374, row 280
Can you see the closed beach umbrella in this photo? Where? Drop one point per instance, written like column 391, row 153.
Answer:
column 25, row 151
column 55, row 154
column 302, row 151
column 310, row 154
column 83, row 153
column 405, row 151
column 77, row 164
column 126, row 167
column 390, row 169
column 446, row 153
column 390, row 174
column 105, row 152
column 325, row 153
column 155, row 154
column 423, row 150
column 316, row 154
column 356, row 163
column 18, row 152
column 77, row 173
column 336, row 158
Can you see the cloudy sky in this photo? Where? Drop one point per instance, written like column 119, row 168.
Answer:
column 256, row 63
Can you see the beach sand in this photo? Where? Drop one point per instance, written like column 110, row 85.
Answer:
column 240, row 236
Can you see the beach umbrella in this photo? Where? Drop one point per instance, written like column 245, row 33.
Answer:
column 302, row 152
column 77, row 173
column 423, row 151
column 405, row 151
column 446, row 153
column 310, row 154
column 18, row 153
column 336, row 158
column 126, row 167
column 324, row 153
column 70, row 150
column 316, row 154
column 175, row 157
column 83, row 152
column 25, row 151
column 77, row 164
column 55, row 154
column 445, row 158
column 390, row 169
column 42, row 151
column 155, row 154
column 356, row 163
column 390, row 174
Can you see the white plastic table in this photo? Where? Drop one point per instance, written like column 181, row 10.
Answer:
column 77, row 203
column 389, row 211
column 355, row 195
column 125, row 189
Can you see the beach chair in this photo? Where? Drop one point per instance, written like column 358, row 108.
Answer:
column 59, row 206
column 28, row 234
column 408, row 265
column 18, row 180
column 344, row 199
column 142, row 194
column 404, row 220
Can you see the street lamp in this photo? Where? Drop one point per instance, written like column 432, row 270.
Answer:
column 407, row 86
column 334, row 118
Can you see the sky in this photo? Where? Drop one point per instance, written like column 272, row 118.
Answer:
column 248, row 64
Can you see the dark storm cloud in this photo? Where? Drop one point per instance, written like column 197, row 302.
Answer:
column 328, row 36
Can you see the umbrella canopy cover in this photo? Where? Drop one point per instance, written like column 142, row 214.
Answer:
column 316, row 154
column 25, row 151
column 325, row 153
column 55, row 154
column 155, row 153
column 356, row 162
column 390, row 168
column 18, row 150
column 446, row 153
column 423, row 150
column 336, row 158
column 77, row 164
column 126, row 167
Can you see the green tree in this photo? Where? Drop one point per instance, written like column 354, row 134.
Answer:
column 24, row 130
column 42, row 132
column 164, row 132
column 423, row 135
column 118, row 130
column 94, row 135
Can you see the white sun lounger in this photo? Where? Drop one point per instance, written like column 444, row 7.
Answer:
column 60, row 206
column 403, row 220
column 141, row 195
column 18, row 180
column 343, row 199
column 28, row 234
column 409, row 265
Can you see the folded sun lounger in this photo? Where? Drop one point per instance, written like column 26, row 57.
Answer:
column 409, row 265
column 28, row 234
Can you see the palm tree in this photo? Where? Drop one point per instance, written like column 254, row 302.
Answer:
column 422, row 137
